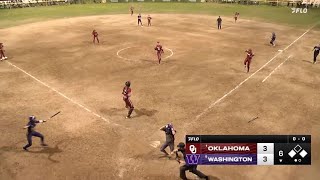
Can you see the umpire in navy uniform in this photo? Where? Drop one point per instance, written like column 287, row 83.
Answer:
column 184, row 167
column 316, row 53
column 31, row 132
column 170, row 133
column 219, row 20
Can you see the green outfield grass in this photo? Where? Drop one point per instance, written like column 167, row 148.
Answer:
column 282, row 15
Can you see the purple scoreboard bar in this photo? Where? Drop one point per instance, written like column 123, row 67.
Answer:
column 248, row 149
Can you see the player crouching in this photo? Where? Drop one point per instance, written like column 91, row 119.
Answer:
column 159, row 50
column 248, row 59
column 186, row 167
column 2, row 56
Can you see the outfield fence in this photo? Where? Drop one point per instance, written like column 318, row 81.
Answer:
column 33, row 3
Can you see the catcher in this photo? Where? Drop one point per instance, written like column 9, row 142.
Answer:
column 159, row 50
column 184, row 167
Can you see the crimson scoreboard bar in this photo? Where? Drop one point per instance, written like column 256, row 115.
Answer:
column 248, row 149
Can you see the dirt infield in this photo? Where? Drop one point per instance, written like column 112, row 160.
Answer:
column 85, row 81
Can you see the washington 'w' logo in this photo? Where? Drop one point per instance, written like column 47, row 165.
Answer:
column 193, row 158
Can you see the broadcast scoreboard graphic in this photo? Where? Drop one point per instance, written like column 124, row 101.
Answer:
column 248, row 149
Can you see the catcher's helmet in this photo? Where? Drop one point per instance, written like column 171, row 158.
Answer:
column 32, row 118
column 181, row 145
column 128, row 83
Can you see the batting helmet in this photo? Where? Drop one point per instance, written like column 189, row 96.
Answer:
column 128, row 83
column 181, row 145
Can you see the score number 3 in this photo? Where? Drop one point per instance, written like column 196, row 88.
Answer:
column 265, row 159
column 265, row 148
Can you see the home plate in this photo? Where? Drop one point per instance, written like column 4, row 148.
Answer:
column 155, row 144
column 280, row 50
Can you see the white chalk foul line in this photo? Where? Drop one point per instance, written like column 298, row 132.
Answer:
column 61, row 94
column 118, row 54
column 228, row 93
column 275, row 69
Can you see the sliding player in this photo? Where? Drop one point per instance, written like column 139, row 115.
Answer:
column 31, row 132
column 159, row 50
column 248, row 59
column 126, row 98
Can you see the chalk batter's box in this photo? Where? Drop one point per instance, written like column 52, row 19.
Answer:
column 248, row 149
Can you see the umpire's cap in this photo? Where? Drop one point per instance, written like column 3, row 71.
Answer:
column 181, row 145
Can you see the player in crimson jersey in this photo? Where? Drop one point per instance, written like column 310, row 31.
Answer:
column 149, row 20
column 159, row 50
column 126, row 98
column 95, row 36
column 236, row 15
column 2, row 56
column 131, row 10
column 248, row 59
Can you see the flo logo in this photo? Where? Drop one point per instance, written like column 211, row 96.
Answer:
column 299, row 10
column 193, row 158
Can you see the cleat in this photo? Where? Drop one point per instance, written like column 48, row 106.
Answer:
column 44, row 144
column 5, row 58
column 24, row 148
column 128, row 117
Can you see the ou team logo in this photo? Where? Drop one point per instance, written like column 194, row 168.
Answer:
column 193, row 149
column 193, row 158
